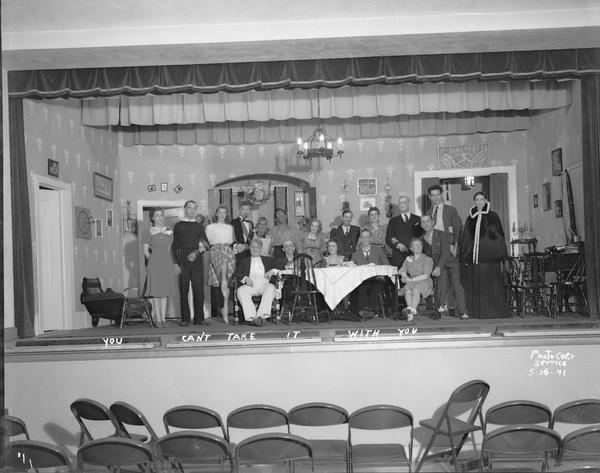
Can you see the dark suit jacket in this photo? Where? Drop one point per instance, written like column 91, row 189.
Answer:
column 346, row 244
column 403, row 232
column 376, row 256
column 450, row 218
column 439, row 250
column 238, row 231
column 243, row 267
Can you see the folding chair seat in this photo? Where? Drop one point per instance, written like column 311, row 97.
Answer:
column 26, row 455
column 518, row 412
column 116, row 452
column 126, row 414
column 257, row 416
column 193, row 418
column 11, row 426
column 467, row 399
column 381, row 417
column 519, row 448
column 200, row 449
column 273, row 449
column 94, row 411
column 576, row 414
column 582, row 445
column 320, row 414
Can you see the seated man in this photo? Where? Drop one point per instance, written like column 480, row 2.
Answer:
column 364, row 298
column 437, row 245
column 253, row 273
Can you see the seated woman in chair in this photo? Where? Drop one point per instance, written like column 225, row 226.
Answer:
column 332, row 258
column 416, row 276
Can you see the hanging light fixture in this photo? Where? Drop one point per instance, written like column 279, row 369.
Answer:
column 319, row 144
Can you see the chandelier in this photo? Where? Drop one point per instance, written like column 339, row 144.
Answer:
column 319, row 144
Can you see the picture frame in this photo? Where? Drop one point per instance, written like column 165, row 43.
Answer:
column 546, row 196
column 535, row 201
column 103, row 187
column 366, row 203
column 53, row 168
column 558, row 208
column 164, row 187
column 367, row 186
column 109, row 218
column 299, row 204
column 151, row 187
column 557, row 163
column 98, row 227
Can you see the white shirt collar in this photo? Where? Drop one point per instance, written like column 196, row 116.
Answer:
column 184, row 219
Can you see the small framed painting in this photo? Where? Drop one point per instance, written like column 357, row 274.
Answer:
column 98, row 227
column 299, row 209
column 557, row 164
column 367, row 186
column 558, row 210
column 103, row 187
column 52, row 168
column 535, row 201
column 164, row 187
column 366, row 203
column 109, row 218
column 546, row 196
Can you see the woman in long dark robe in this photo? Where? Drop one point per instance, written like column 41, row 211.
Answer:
column 482, row 249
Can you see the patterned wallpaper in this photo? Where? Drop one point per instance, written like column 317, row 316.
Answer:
column 53, row 130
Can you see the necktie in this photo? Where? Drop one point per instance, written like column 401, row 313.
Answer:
column 405, row 217
column 346, row 231
column 367, row 252
column 435, row 216
column 245, row 228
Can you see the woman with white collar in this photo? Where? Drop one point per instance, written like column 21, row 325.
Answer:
column 160, row 269
column 482, row 249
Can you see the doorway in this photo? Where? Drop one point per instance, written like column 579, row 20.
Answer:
column 54, row 252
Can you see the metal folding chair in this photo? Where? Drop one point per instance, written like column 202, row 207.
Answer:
column 200, row 449
column 518, row 412
column 117, row 453
column 273, row 449
column 581, row 445
column 94, row 411
column 193, row 418
column 321, row 414
column 11, row 426
column 472, row 395
column 27, row 455
column 257, row 416
column 381, row 417
column 576, row 414
column 126, row 414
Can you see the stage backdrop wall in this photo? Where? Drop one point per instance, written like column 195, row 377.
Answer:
column 53, row 130
column 548, row 131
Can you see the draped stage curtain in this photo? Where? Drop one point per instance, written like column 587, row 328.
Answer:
column 21, row 224
column 304, row 74
column 590, row 133
column 499, row 201
column 345, row 102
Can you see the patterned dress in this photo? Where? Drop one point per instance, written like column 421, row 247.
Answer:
column 417, row 267
column 221, row 259
column 161, row 280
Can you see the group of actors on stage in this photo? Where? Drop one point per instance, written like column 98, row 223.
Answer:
column 465, row 261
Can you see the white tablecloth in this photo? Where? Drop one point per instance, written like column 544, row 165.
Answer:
column 337, row 282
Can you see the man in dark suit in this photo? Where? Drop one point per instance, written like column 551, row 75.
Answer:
column 253, row 273
column 346, row 235
column 243, row 231
column 364, row 299
column 437, row 245
column 401, row 229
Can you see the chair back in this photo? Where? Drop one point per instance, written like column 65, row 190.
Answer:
column 518, row 412
column 193, row 417
column 582, row 444
column 257, row 416
column 513, row 271
column 126, row 414
column 115, row 452
column 381, row 417
column 535, row 273
column 304, row 271
column 11, row 426
column 273, row 447
column 188, row 446
column 581, row 411
column 520, row 444
column 91, row 286
column 318, row 414
column 25, row 455
column 88, row 409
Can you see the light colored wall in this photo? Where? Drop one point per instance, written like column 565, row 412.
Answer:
column 550, row 130
column 419, row 378
column 53, row 130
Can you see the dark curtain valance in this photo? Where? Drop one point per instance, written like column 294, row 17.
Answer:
column 238, row 77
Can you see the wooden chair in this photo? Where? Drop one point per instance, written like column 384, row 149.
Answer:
column 304, row 292
column 573, row 285
column 136, row 309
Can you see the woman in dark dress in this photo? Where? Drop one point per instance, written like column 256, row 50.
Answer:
column 482, row 249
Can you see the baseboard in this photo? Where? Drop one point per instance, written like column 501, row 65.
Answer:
column 10, row 334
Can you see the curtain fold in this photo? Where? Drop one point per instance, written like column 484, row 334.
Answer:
column 345, row 102
column 590, row 134
column 499, row 201
column 21, row 224
column 304, row 74
column 273, row 131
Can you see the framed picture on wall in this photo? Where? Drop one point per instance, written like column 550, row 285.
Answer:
column 558, row 210
column 366, row 203
column 52, row 168
column 98, row 227
column 109, row 218
column 547, row 196
column 557, row 164
column 299, row 210
column 535, row 201
column 103, row 187
column 367, row 186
